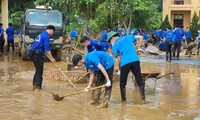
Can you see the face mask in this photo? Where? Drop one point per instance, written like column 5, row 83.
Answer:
column 112, row 43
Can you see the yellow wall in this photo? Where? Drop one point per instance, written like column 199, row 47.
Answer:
column 4, row 7
column 188, row 10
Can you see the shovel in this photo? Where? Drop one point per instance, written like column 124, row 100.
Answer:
column 58, row 98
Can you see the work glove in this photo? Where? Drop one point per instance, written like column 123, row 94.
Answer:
column 108, row 83
column 87, row 89
column 118, row 72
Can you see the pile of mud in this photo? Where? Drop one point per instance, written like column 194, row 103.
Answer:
column 55, row 74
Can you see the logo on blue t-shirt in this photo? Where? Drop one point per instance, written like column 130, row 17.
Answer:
column 38, row 38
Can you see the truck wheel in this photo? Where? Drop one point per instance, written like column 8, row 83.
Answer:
column 58, row 55
column 23, row 54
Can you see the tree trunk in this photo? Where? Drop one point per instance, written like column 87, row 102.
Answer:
column 85, row 28
column 127, row 28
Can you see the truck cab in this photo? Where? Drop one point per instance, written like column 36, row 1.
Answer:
column 34, row 22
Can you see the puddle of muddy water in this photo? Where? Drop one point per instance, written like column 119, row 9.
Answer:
column 177, row 97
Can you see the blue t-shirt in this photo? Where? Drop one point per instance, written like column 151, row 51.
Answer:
column 10, row 32
column 161, row 34
column 104, row 36
column 199, row 37
column 92, row 60
column 42, row 43
column 145, row 37
column 123, row 32
column 95, row 45
column 135, row 32
column 178, row 34
column 169, row 36
column 124, row 47
column 188, row 34
column 74, row 33
column 2, row 33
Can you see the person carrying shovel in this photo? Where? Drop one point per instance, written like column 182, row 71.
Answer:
column 100, row 65
column 128, row 59
column 41, row 45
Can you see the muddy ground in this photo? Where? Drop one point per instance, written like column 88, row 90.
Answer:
column 176, row 97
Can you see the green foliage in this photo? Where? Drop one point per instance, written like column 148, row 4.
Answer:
column 165, row 23
column 194, row 25
column 16, row 8
column 100, row 14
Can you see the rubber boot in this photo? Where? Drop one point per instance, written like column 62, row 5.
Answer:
column 142, row 92
column 123, row 94
column 95, row 97
column 106, row 98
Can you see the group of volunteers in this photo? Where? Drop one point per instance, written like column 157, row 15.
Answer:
column 10, row 37
column 99, row 61
column 173, row 37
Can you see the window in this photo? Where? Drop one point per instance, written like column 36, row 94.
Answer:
column 178, row 16
column 178, row 2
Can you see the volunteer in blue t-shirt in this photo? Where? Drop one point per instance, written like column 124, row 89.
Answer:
column 10, row 37
column 128, row 59
column 95, row 45
column 2, row 40
column 188, row 36
column 103, row 37
column 100, row 65
column 178, row 34
column 168, row 43
column 198, row 42
column 40, row 46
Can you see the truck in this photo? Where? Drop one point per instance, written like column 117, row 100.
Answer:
column 35, row 21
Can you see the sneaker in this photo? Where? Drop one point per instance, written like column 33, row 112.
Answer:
column 92, row 102
column 102, row 105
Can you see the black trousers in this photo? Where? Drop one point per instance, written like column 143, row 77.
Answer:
column 37, row 59
column 188, row 40
column 177, row 48
column 100, row 80
column 168, row 51
column 11, row 42
column 134, row 67
column 2, row 42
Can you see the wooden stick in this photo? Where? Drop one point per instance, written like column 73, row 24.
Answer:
column 81, row 77
column 164, row 75
column 63, row 74
column 80, row 52
column 83, row 91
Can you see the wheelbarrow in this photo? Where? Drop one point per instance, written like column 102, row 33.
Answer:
column 153, row 76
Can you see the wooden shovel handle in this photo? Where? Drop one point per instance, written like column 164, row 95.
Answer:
column 63, row 74
column 94, row 88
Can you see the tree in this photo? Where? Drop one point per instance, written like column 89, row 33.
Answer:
column 165, row 23
column 194, row 25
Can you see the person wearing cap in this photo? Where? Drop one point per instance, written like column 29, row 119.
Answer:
column 41, row 45
column 128, row 59
column 100, row 66
column 95, row 45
